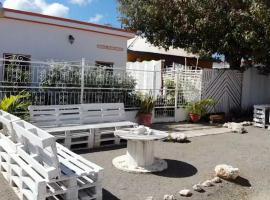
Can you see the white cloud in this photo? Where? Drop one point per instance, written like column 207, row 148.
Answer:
column 39, row 6
column 56, row 9
column 81, row 2
column 96, row 18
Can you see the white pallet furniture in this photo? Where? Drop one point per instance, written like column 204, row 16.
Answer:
column 7, row 118
column 82, row 126
column 140, row 155
column 38, row 168
column 261, row 115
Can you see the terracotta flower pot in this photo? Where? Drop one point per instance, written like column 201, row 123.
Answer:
column 145, row 119
column 194, row 117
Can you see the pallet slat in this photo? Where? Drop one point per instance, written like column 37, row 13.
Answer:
column 261, row 116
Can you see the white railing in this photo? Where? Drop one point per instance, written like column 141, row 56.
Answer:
column 52, row 83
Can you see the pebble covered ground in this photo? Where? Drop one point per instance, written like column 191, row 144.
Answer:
column 189, row 164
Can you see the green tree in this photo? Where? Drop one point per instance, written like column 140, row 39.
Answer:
column 235, row 28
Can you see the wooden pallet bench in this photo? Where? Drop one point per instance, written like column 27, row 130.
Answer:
column 83, row 126
column 261, row 116
column 38, row 168
column 7, row 125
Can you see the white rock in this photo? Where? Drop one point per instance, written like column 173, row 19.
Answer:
column 168, row 197
column 185, row 193
column 246, row 123
column 140, row 130
column 216, row 180
column 226, row 125
column 149, row 198
column 226, row 171
column 207, row 183
column 235, row 127
column 179, row 137
column 197, row 188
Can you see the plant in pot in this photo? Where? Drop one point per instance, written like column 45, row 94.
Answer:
column 198, row 109
column 147, row 104
column 16, row 104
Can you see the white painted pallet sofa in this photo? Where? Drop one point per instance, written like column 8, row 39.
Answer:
column 38, row 168
column 261, row 116
column 82, row 126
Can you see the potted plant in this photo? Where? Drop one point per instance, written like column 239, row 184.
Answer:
column 147, row 104
column 198, row 108
column 17, row 105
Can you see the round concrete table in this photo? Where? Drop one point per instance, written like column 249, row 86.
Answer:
column 140, row 151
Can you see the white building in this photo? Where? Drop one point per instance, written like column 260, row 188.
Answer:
column 42, row 37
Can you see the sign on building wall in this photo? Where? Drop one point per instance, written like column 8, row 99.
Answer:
column 109, row 47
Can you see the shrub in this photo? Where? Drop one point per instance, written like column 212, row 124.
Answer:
column 199, row 107
column 147, row 104
column 101, row 85
column 17, row 105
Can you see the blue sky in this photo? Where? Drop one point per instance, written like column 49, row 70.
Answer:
column 95, row 11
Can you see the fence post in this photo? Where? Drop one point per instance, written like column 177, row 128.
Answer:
column 201, row 84
column 176, row 77
column 82, row 79
column 154, row 90
column 154, row 81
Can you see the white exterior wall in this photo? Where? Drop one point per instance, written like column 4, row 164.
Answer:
column 45, row 42
column 255, row 89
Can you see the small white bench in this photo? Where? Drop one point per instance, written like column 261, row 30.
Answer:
column 82, row 126
column 38, row 168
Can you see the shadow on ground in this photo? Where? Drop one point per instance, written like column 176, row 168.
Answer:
column 186, row 141
column 101, row 149
column 178, row 169
column 241, row 181
column 106, row 195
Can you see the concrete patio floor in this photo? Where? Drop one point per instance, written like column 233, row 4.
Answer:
column 189, row 164
column 194, row 162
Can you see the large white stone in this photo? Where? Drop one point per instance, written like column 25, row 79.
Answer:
column 226, row 172
column 236, row 127
column 185, row 193
column 179, row 137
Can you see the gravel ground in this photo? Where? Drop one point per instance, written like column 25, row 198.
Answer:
column 189, row 163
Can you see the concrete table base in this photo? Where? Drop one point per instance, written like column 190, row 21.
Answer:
column 139, row 158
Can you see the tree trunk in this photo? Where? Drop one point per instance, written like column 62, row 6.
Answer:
column 235, row 63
